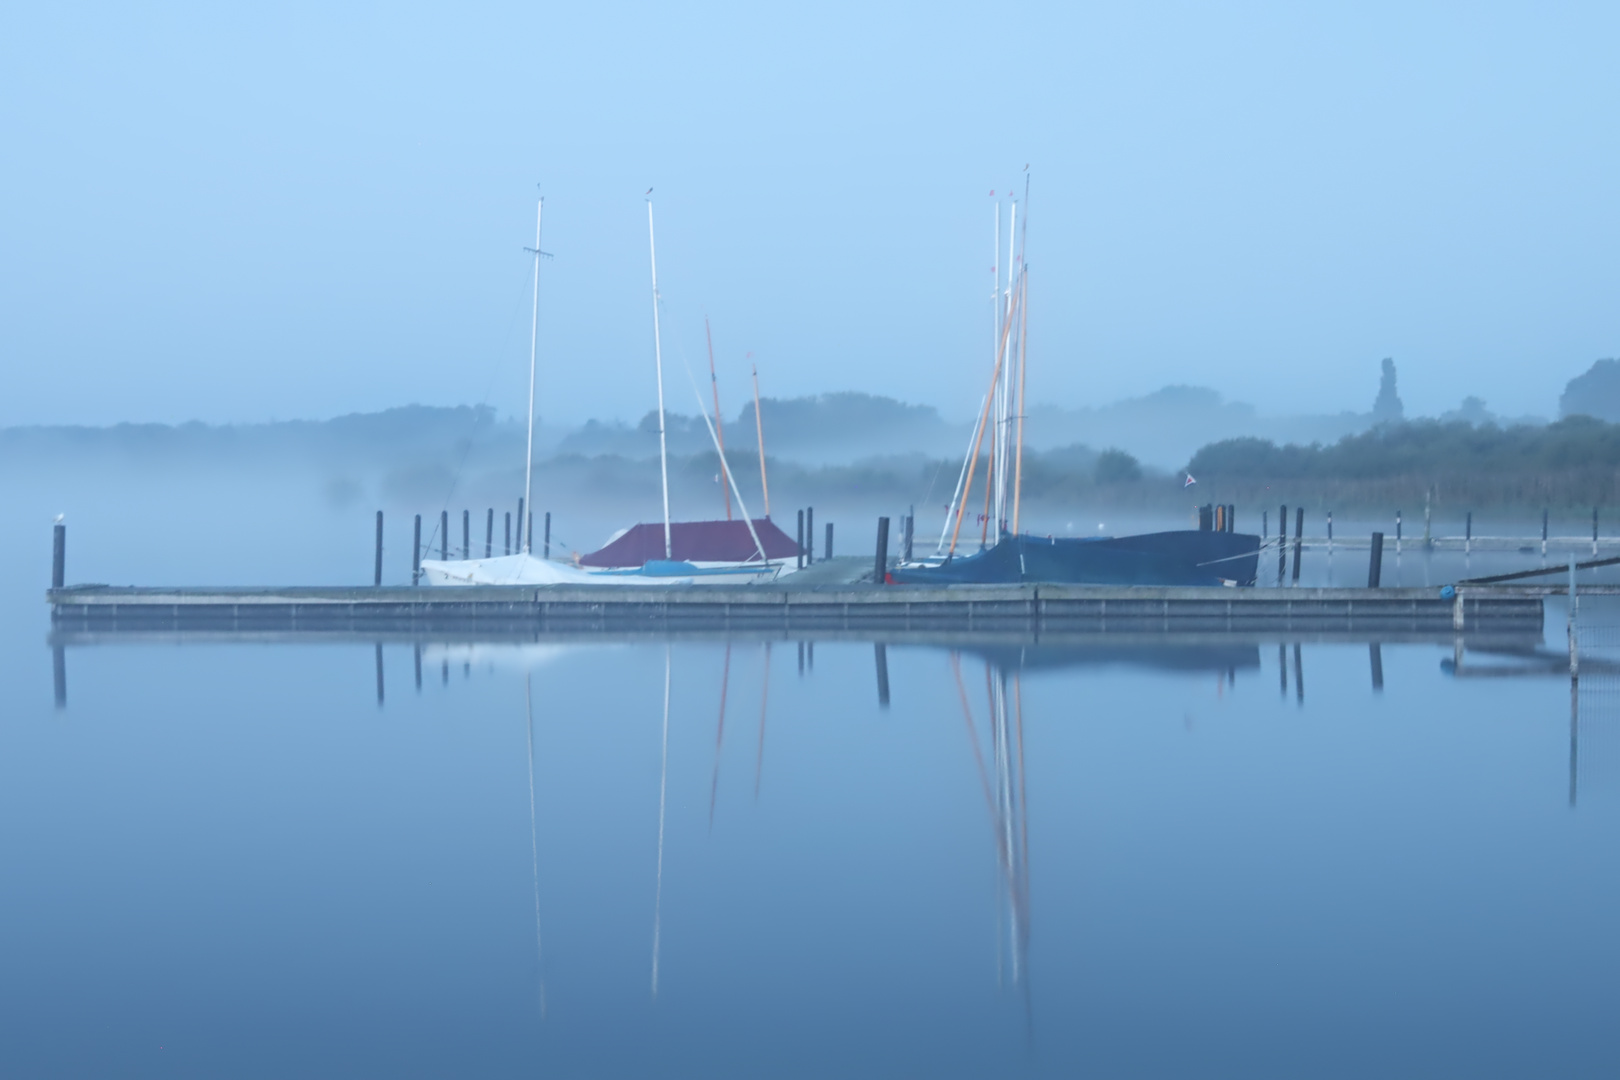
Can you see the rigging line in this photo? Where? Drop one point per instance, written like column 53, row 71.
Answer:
column 489, row 388
column 725, row 470
column 973, row 461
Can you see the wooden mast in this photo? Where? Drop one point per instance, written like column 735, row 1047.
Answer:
column 759, row 434
column 719, row 422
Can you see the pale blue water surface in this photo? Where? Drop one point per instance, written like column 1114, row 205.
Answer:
column 229, row 859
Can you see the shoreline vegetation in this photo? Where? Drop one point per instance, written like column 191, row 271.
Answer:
column 860, row 448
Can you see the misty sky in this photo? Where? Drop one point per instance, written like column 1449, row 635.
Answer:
column 300, row 212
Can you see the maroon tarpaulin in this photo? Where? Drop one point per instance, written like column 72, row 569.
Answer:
column 694, row 541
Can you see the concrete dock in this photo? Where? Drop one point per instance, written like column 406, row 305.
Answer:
column 786, row 607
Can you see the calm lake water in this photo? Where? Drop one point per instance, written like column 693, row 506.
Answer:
column 1124, row 859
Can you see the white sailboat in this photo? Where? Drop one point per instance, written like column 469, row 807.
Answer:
column 523, row 568
column 712, row 552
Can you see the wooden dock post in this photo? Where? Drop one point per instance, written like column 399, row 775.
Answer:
column 799, row 564
column 58, row 555
column 827, row 550
column 1299, row 676
column 416, row 553
column 444, row 535
column 530, row 545
column 1543, row 534
column 489, row 533
column 1330, row 534
column 520, row 526
column 809, row 535
column 547, row 552
column 1299, row 543
column 376, row 574
column 1375, row 561
column 910, row 532
column 1571, row 618
column 880, row 654
column 466, row 535
column 416, row 648
column 1397, row 534
column 1265, row 524
column 1375, row 658
column 1468, row 534
column 59, row 672
column 1594, row 532
column 1282, row 543
column 880, row 567
column 509, row 532
column 379, row 675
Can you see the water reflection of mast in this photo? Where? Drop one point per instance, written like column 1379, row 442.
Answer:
column 663, row 778
column 1005, row 799
column 720, row 734
column 534, row 843
column 764, row 698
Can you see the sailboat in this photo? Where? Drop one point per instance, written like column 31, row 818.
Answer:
column 718, row 552
column 1178, row 557
column 523, row 568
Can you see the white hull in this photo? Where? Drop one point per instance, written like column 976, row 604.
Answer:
column 523, row 570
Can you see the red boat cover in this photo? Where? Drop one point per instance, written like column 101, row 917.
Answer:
column 696, row 542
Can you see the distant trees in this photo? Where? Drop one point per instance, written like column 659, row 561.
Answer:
column 1596, row 392
column 1117, row 467
column 1574, row 460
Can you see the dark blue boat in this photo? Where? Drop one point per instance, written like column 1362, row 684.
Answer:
column 1183, row 557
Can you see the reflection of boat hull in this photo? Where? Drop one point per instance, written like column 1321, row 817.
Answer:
column 1184, row 557
column 697, row 573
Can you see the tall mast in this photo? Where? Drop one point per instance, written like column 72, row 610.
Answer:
column 534, row 337
column 658, row 359
column 759, row 434
column 1023, row 335
column 719, row 423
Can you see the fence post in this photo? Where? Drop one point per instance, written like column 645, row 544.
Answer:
column 1375, row 562
column 880, row 567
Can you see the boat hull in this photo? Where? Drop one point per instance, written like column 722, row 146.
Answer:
column 1183, row 557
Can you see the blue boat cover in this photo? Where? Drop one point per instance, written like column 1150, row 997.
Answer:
column 1184, row 557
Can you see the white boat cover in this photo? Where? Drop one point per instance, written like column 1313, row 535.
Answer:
column 525, row 569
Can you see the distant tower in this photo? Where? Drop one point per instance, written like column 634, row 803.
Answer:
column 1387, row 408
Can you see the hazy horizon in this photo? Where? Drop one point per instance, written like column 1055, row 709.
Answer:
column 236, row 216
